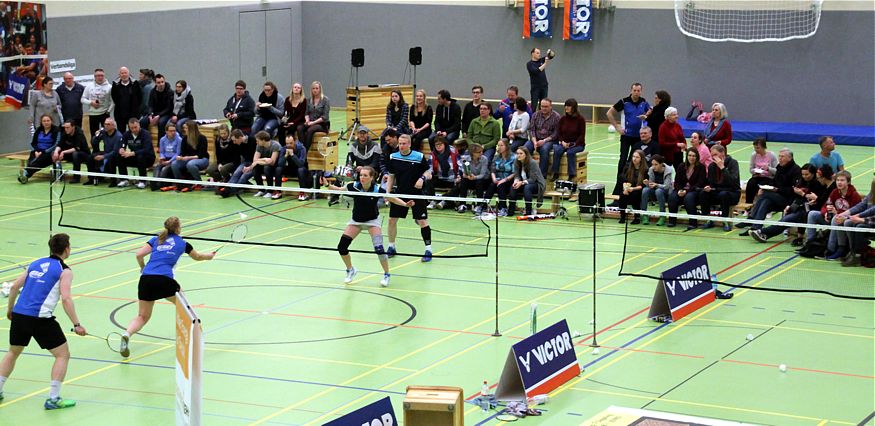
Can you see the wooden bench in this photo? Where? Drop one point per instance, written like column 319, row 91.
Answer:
column 20, row 156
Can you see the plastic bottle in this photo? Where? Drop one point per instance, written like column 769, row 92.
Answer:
column 539, row 399
column 484, row 390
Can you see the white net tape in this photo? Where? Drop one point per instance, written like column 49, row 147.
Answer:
column 748, row 20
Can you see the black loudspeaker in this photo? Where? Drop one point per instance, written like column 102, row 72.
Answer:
column 415, row 55
column 358, row 58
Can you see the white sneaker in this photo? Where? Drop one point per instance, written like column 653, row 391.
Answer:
column 267, row 195
column 124, row 184
column 259, row 194
column 141, row 185
column 385, row 281
column 350, row 274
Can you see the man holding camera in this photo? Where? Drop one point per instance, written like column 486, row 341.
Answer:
column 538, row 75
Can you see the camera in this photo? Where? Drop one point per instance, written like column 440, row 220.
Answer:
column 551, row 54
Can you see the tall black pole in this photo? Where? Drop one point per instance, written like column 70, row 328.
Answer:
column 594, row 273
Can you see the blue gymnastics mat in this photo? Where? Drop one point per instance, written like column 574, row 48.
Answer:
column 793, row 132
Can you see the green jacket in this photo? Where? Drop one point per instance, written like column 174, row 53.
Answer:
column 485, row 133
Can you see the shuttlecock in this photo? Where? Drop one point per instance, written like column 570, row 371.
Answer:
column 4, row 289
column 243, row 215
column 575, row 333
column 612, row 129
column 783, row 368
column 750, row 337
column 595, row 351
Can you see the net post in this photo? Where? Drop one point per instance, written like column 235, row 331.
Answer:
column 496, row 333
column 51, row 203
column 594, row 343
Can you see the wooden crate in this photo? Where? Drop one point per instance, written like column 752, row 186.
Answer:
column 434, row 406
column 581, row 157
column 315, row 159
column 372, row 105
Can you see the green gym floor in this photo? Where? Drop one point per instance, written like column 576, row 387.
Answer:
column 289, row 343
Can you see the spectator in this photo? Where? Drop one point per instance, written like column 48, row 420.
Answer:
column 508, row 106
column 840, row 200
column 763, row 166
column 827, row 155
column 473, row 174
column 245, row 147
column 45, row 102
column 806, row 193
column 659, row 183
column 501, row 172
column 169, row 148
column 672, row 143
column 269, row 109
column 294, row 155
column 661, row 103
column 646, row 143
column 146, row 81
column 421, row 117
column 775, row 198
column 472, row 109
column 537, row 68
column 160, row 107
column 444, row 171
column 517, row 128
column 543, row 131
column 97, row 96
column 862, row 215
column 723, row 186
column 388, row 147
column 295, row 109
column 635, row 110
column 136, row 150
column 72, row 147
column 317, row 118
column 364, row 152
column 397, row 114
column 633, row 183
column 240, row 108
column 572, row 139
column 45, row 140
column 448, row 119
column 112, row 140
column 267, row 163
column 125, row 93
column 718, row 129
column 227, row 154
column 689, row 181
column 485, row 130
column 527, row 180
column 704, row 152
column 183, row 105
column 70, row 96
column 193, row 157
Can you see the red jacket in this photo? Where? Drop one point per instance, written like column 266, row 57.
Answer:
column 724, row 135
column 851, row 199
column 670, row 135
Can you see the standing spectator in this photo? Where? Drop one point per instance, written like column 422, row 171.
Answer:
column 448, row 119
column 193, row 156
column 183, row 105
column 537, row 68
column 763, row 166
column 718, row 130
column 688, row 183
column 635, row 110
column 544, row 131
column 146, row 81
column 136, row 150
column 72, row 147
column 397, row 114
column 97, row 96
column 317, row 118
column 160, row 106
column 240, row 108
column 269, row 109
column 508, row 106
column 502, row 176
column 125, row 93
column 659, row 183
column 421, row 117
column 295, row 109
column 633, row 184
column 661, row 103
column 527, row 180
column 45, row 140
column 696, row 141
column 472, row 109
column 516, row 131
column 70, row 95
column 723, row 186
column 485, row 130
column 672, row 143
column 572, row 139
column 45, row 102
column 827, row 155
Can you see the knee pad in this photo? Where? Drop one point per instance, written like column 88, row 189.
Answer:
column 343, row 245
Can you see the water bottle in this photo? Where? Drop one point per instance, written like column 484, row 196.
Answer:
column 484, row 390
column 533, row 316
column 539, row 399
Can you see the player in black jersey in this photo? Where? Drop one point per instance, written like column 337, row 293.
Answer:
column 408, row 172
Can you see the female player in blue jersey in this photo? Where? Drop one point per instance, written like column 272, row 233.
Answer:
column 156, row 281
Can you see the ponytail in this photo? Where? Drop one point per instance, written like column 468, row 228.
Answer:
column 171, row 226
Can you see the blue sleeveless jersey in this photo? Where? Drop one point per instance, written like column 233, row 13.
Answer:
column 163, row 259
column 42, row 289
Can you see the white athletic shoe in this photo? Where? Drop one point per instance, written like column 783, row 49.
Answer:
column 350, row 274
column 267, row 195
column 385, row 281
column 141, row 185
column 124, row 184
column 259, row 194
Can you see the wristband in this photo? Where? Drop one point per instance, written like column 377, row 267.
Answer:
column 77, row 325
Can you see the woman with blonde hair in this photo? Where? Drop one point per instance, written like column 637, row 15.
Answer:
column 193, row 156
column 633, row 183
column 295, row 109
column 317, row 117
column 421, row 116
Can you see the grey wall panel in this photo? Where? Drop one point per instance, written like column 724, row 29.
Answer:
column 279, row 48
column 14, row 133
column 253, row 52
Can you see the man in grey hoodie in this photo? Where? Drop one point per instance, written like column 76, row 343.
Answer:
column 96, row 97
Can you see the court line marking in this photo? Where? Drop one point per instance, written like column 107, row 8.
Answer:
column 782, row 327
column 810, row 370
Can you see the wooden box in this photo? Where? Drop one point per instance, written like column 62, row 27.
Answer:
column 434, row 406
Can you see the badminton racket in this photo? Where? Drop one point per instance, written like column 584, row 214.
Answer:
column 113, row 340
column 237, row 235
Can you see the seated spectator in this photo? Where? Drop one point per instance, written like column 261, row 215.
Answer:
column 704, row 152
column 471, row 109
column 266, row 162
column 269, row 109
column 723, row 186
column 364, row 152
column 389, row 147
column 146, row 81
column 544, row 131
column 245, row 147
column 421, row 117
column 659, row 183
column 646, row 144
column 448, row 119
column 160, row 106
column 689, row 181
column 840, row 200
column 527, row 181
column 763, row 166
column 517, row 127
column 572, row 139
column 806, row 193
column 861, row 215
column 316, row 119
column 484, row 130
column 193, row 157
column 775, row 198
column 295, row 109
column 183, row 105
column 294, row 157
column 507, row 108
column 227, row 156
column 45, row 102
column 397, row 114
column 43, row 144
column 72, row 147
column 501, row 171
column 70, row 96
column 100, row 158
column 672, row 144
column 240, row 108
column 473, row 174
column 444, row 170
column 169, row 148
column 633, row 184
column 718, row 130
column 136, row 150
column 827, row 155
